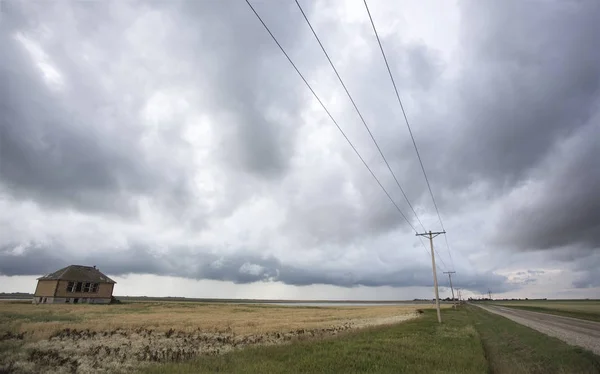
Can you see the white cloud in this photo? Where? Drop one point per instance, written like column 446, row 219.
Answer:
column 49, row 72
column 252, row 269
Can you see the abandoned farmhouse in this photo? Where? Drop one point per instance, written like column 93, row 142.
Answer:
column 74, row 284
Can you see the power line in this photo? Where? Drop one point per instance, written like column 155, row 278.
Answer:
column 338, row 127
column 408, row 126
column 365, row 124
column 358, row 112
column 441, row 259
column 449, row 251
column 429, row 254
column 329, row 114
column 437, row 253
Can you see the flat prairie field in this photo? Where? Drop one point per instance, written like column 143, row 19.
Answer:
column 583, row 309
column 123, row 337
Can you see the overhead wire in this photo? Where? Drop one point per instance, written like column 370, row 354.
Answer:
column 408, row 127
column 330, row 115
column 429, row 254
column 359, row 113
column 449, row 251
column 341, row 130
column 367, row 127
column 343, row 133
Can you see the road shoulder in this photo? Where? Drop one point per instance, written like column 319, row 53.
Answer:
column 511, row 347
column 581, row 333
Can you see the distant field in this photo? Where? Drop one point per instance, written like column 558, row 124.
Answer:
column 121, row 337
column 583, row 309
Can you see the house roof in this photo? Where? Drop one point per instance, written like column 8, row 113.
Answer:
column 78, row 273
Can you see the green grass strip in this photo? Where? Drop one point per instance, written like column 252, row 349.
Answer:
column 513, row 348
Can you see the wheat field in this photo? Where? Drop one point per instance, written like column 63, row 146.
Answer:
column 41, row 321
column 122, row 337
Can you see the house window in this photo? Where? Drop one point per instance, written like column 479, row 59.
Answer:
column 74, row 287
column 82, row 287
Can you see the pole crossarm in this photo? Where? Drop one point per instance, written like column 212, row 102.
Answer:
column 431, row 234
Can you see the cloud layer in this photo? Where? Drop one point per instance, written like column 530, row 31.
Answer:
column 175, row 139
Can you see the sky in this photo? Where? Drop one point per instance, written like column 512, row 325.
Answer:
column 172, row 145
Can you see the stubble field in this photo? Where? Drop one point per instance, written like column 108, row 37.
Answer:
column 124, row 337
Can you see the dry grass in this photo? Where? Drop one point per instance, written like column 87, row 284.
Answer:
column 41, row 321
column 93, row 338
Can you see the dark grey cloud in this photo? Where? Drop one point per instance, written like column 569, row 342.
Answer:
column 588, row 280
column 78, row 149
column 565, row 209
column 524, row 87
column 587, row 271
column 81, row 148
column 241, row 268
column 258, row 114
column 520, row 93
column 517, row 93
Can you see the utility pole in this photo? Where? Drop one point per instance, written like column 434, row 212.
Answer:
column 490, row 294
column 451, row 288
column 432, row 235
column 458, row 294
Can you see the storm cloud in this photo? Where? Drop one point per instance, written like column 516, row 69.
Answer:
column 175, row 139
column 239, row 268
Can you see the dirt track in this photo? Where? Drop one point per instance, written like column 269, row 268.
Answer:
column 585, row 334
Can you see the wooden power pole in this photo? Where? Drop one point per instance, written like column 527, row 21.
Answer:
column 432, row 235
column 451, row 288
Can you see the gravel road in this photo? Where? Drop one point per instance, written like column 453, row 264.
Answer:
column 585, row 334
